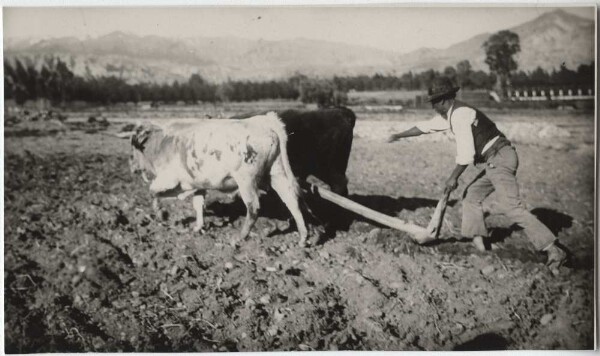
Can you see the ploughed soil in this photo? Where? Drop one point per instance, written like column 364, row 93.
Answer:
column 90, row 266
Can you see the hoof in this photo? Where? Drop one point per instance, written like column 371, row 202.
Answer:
column 235, row 244
column 479, row 243
column 496, row 247
column 200, row 230
column 163, row 215
column 283, row 226
column 304, row 242
column 556, row 259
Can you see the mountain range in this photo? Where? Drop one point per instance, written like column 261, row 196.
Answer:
column 548, row 41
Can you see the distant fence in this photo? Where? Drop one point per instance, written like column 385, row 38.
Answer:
column 551, row 94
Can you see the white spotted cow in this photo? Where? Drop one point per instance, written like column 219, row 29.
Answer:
column 225, row 155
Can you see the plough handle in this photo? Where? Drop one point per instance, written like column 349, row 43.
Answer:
column 368, row 213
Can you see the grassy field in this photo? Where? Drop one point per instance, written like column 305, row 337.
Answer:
column 90, row 267
column 383, row 97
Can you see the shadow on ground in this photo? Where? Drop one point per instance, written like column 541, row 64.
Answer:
column 484, row 342
column 554, row 220
column 323, row 212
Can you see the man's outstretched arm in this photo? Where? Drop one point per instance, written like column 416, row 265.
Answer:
column 413, row 131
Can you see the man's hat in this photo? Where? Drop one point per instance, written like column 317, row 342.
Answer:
column 441, row 87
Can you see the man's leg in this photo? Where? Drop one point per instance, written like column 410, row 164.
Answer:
column 473, row 224
column 503, row 176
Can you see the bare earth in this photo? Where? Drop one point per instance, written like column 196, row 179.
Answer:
column 90, row 267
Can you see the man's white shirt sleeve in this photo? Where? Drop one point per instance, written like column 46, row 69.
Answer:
column 462, row 119
column 435, row 124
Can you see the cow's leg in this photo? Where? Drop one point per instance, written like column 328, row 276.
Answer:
column 161, row 213
column 249, row 193
column 284, row 189
column 164, row 186
column 198, row 203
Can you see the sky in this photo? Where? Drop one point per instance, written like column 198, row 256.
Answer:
column 389, row 27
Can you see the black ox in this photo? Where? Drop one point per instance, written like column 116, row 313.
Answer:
column 319, row 145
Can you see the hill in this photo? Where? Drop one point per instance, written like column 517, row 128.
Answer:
column 547, row 41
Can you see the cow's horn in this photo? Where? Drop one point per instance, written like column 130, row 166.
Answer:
column 126, row 134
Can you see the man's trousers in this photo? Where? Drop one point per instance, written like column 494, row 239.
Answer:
column 500, row 176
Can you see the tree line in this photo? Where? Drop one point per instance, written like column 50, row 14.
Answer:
column 462, row 74
column 583, row 77
column 53, row 80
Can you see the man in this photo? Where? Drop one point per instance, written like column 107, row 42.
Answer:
column 478, row 140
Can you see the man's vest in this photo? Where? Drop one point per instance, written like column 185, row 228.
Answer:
column 483, row 130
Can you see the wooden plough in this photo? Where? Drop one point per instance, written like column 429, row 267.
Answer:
column 419, row 234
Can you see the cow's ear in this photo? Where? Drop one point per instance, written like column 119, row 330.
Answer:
column 138, row 140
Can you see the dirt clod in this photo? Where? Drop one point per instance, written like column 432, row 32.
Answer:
column 304, row 347
column 265, row 299
column 487, row 270
column 373, row 234
column 546, row 319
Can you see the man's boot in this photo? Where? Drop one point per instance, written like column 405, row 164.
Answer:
column 479, row 243
column 556, row 258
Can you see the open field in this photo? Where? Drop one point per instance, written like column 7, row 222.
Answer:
column 384, row 96
column 90, row 267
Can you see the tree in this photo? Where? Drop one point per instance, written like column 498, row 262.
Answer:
column 585, row 74
column 57, row 78
column 499, row 51
column 539, row 77
column 426, row 78
column 21, row 81
column 520, row 79
column 564, row 76
column 225, row 91
column 317, row 91
column 450, row 73
column 407, row 81
column 10, row 80
column 463, row 73
column 480, row 80
column 323, row 92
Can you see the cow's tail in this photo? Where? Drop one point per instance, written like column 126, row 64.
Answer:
column 275, row 124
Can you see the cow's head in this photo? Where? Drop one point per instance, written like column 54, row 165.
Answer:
column 137, row 161
column 139, row 139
